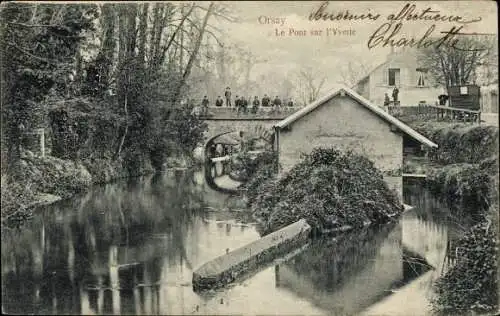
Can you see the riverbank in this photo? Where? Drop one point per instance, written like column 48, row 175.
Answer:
column 46, row 180
column 463, row 171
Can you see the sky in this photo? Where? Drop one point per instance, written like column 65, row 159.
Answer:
column 327, row 53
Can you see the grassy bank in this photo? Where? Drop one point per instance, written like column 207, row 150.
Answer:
column 331, row 189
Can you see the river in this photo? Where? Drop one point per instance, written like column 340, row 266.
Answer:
column 130, row 248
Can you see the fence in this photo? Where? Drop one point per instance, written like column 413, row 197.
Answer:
column 440, row 113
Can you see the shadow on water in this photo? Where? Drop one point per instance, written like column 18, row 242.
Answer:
column 130, row 248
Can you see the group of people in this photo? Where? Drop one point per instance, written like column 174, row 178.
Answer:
column 395, row 94
column 243, row 104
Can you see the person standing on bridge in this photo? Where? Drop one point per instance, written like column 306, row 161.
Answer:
column 255, row 104
column 277, row 102
column 219, row 101
column 237, row 103
column 266, row 100
column 290, row 102
column 227, row 95
column 240, row 104
column 245, row 104
column 205, row 104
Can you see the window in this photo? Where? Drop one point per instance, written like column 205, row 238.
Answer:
column 393, row 76
column 464, row 90
column 421, row 77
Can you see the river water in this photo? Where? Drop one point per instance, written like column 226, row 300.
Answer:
column 130, row 248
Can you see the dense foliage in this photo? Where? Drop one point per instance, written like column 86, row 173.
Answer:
column 105, row 82
column 460, row 142
column 468, row 179
column 16, row 197
column 472, row 284
column 330, row 189
column 462, row 185
column 259, row 170
column 40, row 43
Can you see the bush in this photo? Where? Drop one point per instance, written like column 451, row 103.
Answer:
column 462, row 185
column 471, row 284
column 16, row 197
column 330, row 189
column 55, row 176
column 460, row 143
column 258, row 170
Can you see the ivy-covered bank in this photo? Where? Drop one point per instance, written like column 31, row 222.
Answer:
column 465, row 175
column 331, row 189
column 43, row 180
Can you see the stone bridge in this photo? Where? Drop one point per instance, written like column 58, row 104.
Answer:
column 224, row 120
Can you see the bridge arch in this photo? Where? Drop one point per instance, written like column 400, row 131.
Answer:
column 257, row 127
column 211, row 141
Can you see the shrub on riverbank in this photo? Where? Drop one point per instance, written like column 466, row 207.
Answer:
column 260, row 170
column 107, row 170
column 15, row 197
column 461, row 184
column 460, row 143
column 62, row 178
column 331, row 189
column 36, row 176
column 55, row 176
column 471, row 284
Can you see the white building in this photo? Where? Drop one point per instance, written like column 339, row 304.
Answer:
column 401, row 69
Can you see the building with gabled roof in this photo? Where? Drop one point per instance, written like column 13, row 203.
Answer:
column 346, row 120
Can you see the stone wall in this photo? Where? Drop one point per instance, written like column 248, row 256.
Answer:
column 227, row 268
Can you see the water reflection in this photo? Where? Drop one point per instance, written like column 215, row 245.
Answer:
column 130, row 248
column 348, row 273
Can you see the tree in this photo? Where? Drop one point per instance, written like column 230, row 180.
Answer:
column 125, row 93
column 187, row 70
column 309, row 84
column 458, row 65
column 352, row 72
column 40, row 43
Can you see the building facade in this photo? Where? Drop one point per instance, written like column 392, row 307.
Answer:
column 402, row 70
column 346, row 120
